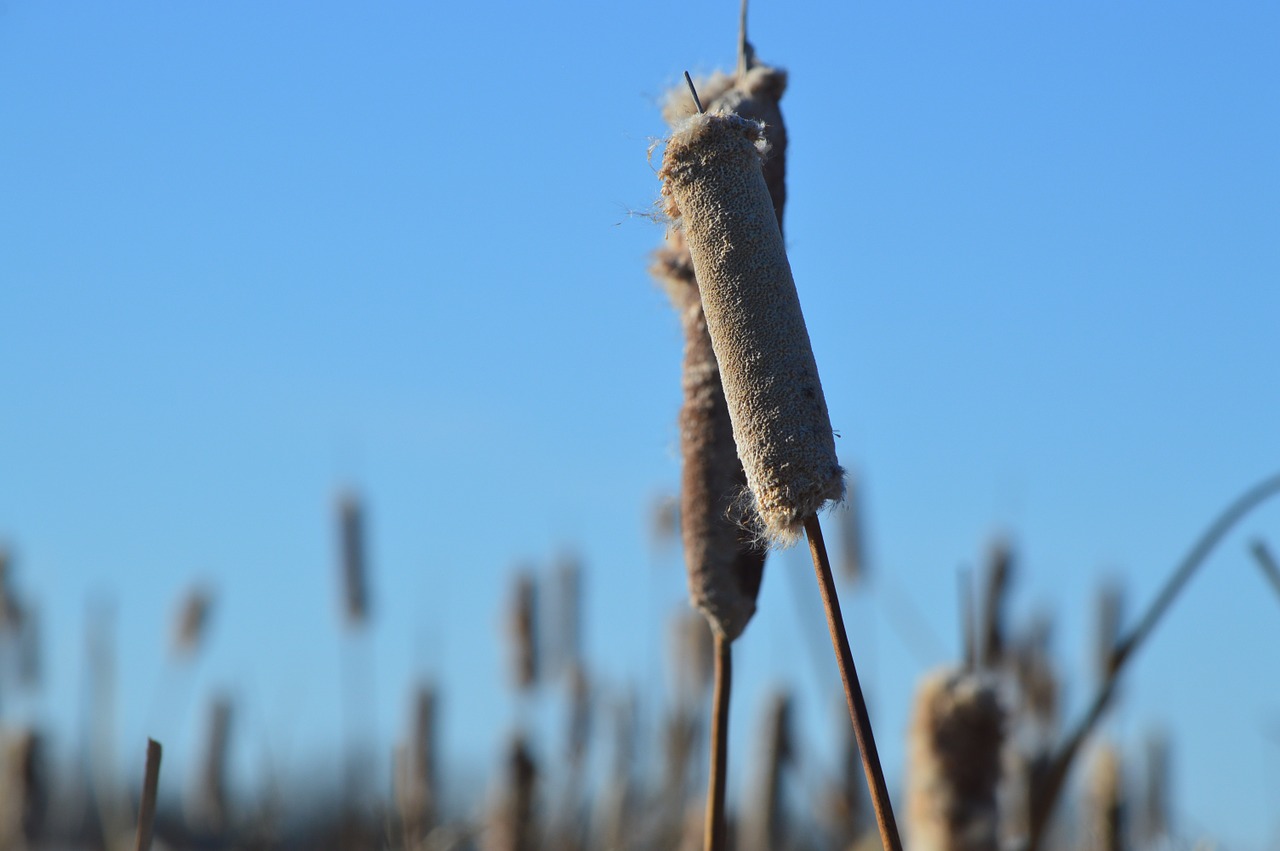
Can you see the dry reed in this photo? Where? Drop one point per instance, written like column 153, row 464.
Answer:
column 765, row 822
column 212, row 799
column 522, row 630
column 957, row 732
column 147, row 804
column 191, row 621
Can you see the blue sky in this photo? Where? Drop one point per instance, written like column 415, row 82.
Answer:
column 250, row 253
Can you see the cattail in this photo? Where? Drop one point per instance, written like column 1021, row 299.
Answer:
column 723, row 567
column 522, row 631
column 664, row 521
column 715, row 187
column 351, row 543
column 513, row 826
column 957, row 730
column 1106, row 801
column 11, row 609
column 1155, row 798
column 211, row 803
column 191, row 621
column 853, row 556
column 768, row 813
column 566, row 618
column 998, row 579
column 23, row 788
column 415, row 781
column 692, row 655
column 1108, row 623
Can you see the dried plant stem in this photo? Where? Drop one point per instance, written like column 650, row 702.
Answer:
column 852, row 689
column 1044, row 798
column 715, row 829
column 147, row 807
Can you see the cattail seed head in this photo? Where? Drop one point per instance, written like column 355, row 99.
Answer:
column 522, row 630
column 714, row 185
column 957, row 730
column 1106, row 801
column 723, row 566
column 192, row 620
column 355, row 584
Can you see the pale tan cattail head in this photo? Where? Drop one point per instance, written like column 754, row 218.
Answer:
column 714, row 186
column 23, row 786
column 351, row 544
column 1106, row 827
column 957, row 731
column 416, row 788
column 192, row 620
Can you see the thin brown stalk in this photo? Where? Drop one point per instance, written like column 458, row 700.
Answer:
column 1267, row 562
column 1044, row 798
column 147, row 807
column 852, row 689
column 714, row 828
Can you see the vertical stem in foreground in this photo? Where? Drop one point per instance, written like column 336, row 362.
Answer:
column 147, row 807
column 852, row 689
column 714, row 828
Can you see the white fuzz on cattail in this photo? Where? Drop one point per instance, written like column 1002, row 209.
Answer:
column 715, row 188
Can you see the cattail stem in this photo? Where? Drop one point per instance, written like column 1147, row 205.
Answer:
column 715, row 828
column 852, row 689
column 147, row 807
column 1043, row 800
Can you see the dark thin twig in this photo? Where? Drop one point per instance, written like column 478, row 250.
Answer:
column 853, row 690
column 744, row 46
column 968, row 644
column 694, row 92
column 1267, row 562
column 147, row 807
column 1046, row 796
column 715, row 830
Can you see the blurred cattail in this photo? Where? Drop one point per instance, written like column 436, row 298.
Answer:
column 664, row 521
column 853, row 556
column 191, row 621
column 1156, row 823
column 957, row 731
column 714, row 185
column 565, row 639
column 513, row 825
column 996, row 584
column 766, row 821
column 617, row 803
column 522, row 630
column 1109, row 617
column 847, row 811
column 1106, row 801
column 416, row 790
column 579, row 733
column 692, row 655
column 23, row 789
column 351, row 546
column 29, row 657
column 1036, row 675
column 10, row 606
column 211, row 804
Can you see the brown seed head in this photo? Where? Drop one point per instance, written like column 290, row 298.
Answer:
column 957, row 730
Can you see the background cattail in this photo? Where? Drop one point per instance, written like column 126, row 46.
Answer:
column 714, row 186
column 692, row 655
column 853, row 556
column 957, row 731
column 351, row 546
column 565, row 637
column 998, row 578
column 1156, row 822
column 513, row 825
column 417, row 791
column 765, row 826
column 191, row 621
column 522, row 630
column 211, row 804
column 1106, row 826
column 1109, row 617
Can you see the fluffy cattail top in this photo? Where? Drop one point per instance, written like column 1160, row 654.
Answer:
column 957, row 729
column 714, row 186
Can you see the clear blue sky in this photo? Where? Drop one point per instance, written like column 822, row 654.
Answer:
column 250, row 252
